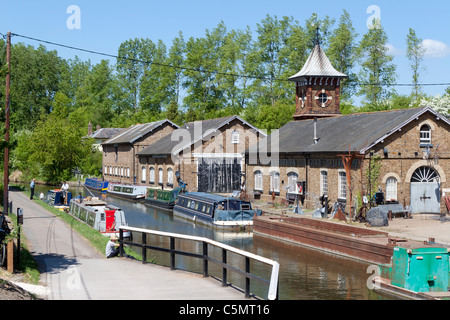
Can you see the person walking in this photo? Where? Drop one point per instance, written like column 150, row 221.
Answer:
column 32, row 185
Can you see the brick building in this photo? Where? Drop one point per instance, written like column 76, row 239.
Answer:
column 208, row 154
column 120, row 162
column 412, row 145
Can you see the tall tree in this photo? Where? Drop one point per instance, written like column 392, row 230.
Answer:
column 130, row 69
column 342, row 54
column 415, row 52
column 378, row 73
column 272, row 57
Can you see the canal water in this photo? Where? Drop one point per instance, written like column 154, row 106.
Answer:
column 305, row 274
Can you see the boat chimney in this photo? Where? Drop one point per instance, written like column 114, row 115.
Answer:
column 316, row 140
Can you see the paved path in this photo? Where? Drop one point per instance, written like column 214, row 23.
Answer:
column 72, row 269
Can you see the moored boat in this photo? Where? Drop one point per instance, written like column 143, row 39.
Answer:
column 164, row 199
column 96, row 184
column 127, row 191
column 215, row 210
column 103, row 217
column 56, row 198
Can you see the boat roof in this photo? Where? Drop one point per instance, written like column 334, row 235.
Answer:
column 209, row 197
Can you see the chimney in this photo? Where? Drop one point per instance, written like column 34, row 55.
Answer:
column 89, row 128
column 316, row 140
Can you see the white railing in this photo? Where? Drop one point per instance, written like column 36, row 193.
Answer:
column 273, row 282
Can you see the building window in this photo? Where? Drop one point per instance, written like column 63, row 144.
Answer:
column 128, row 172
column 425, row 134
column 143, row 174
column 391, row 189
column 152, row 175
column 258, row 180
column 235, row 136
column 292, row 182
column 160, row 176
column 170, row 177
column 274, row 181
column 342, row 185
column 323, row 182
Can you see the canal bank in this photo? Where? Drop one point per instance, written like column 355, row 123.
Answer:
column 72, row 269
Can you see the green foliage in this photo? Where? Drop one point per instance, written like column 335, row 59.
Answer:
column 415, row 52
column 377, row 70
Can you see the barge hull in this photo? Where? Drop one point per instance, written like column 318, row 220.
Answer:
column 353, row 242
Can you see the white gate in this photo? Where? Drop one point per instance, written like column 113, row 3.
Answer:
column 425, row 191
column 425, row 197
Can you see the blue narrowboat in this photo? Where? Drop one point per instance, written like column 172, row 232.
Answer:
column 215, row 210
column 56, row 199
column 96, row 184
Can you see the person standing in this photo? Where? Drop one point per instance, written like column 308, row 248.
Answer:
column 32, row 185
column 65, row 190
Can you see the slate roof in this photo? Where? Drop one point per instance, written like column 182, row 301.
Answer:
column 105, row 133
column 189, row 134
column 359, row 131
column 317, row 65
column 135, row 132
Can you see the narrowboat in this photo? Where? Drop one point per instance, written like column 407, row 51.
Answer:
column 96, row 184
column 127, row 191
column 55, row 198
column 99, row 215
column 164, row 199
column 215, row 210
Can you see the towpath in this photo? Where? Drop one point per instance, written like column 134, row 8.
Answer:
column 72, row 269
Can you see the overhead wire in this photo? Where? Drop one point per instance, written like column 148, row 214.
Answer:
column 201, row 70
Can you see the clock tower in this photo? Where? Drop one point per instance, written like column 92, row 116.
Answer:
column 317, row 87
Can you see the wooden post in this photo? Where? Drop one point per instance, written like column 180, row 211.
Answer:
column 10, row 256
column 7, row 100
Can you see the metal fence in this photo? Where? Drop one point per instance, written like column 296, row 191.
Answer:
column 224, row 263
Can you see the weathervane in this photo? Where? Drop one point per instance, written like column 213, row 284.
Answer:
column 317, row 40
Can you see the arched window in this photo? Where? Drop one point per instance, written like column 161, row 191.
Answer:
column 425, row 174
column 323, row 182
column 391, row 189
column 235, row 136
column 292, row 182
column 152, row 175
column 425, row 134
column 160, row 176
column 342, row 185
column 170, row 177
column 143, row 174
column 274, row 182
column 258, row 180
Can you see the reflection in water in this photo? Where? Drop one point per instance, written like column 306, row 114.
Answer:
column 304, row 273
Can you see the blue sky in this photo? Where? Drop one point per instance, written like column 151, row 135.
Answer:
column 106, row 24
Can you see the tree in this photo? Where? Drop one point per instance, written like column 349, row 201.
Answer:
column 378, row 73
column 415, row 52
column 130, row 69
column 342, row 54
column 56, row 147
column 272, row 59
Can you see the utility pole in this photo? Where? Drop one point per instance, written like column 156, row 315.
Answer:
column 7, row 100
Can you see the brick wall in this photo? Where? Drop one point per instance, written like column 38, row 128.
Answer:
column 404, row 156
column 120, row 163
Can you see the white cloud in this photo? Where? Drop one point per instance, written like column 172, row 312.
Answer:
column 435, row 48
column 393, row 51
